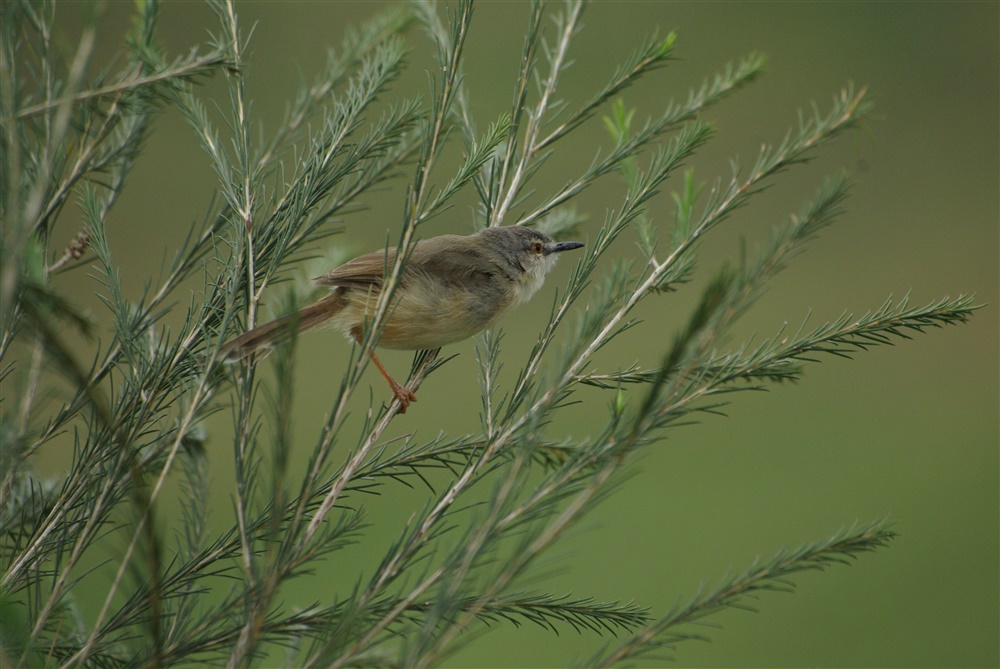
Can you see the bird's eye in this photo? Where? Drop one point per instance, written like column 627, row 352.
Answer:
column 537, row 248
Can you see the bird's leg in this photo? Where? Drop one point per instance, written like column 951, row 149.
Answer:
column 401, row 393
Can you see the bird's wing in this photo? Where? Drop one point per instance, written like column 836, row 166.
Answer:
column 445, row 256
column 364, row 271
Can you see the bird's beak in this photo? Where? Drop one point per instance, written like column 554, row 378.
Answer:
column 564, row 246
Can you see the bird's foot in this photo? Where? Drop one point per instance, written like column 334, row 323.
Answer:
column 404, row 395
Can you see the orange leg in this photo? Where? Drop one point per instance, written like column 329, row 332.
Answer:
column 401, row 393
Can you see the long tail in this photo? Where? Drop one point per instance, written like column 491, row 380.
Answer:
column 268, row 335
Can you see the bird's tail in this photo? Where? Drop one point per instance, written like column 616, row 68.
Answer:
column 270, row 334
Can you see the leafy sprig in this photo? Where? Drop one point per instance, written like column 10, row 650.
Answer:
column 498, row 500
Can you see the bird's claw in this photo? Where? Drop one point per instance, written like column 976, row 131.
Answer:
column 404, row 395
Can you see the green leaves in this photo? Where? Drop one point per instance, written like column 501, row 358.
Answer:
column 496, row 502
column 768, row 576
column 478, row 154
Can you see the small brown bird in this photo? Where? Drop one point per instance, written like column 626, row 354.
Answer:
column 452, row 288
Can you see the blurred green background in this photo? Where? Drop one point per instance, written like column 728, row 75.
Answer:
column 909, row 432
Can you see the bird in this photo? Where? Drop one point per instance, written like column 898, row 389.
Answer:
column 452, row 287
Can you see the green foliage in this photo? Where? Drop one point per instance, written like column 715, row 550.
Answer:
column 135, row 410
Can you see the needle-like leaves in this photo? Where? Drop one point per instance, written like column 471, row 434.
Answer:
column 133, row 406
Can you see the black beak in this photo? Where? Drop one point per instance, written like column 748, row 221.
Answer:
column 564, row 246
